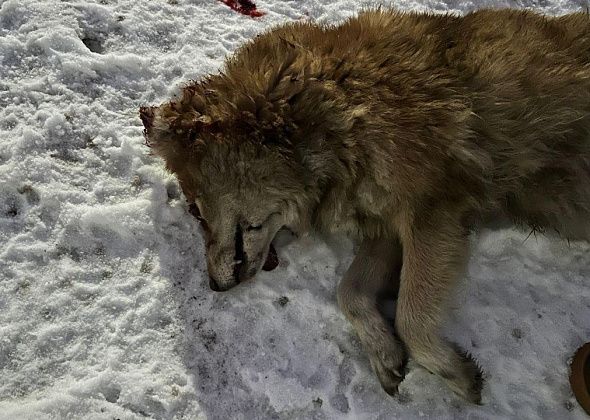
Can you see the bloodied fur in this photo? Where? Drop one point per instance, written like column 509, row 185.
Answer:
column 403, row 130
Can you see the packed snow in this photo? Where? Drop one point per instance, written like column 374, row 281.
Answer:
column 105, row 311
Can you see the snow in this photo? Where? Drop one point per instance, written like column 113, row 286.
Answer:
column 105, row 310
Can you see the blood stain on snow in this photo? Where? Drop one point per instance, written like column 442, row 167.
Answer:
column 245, row 7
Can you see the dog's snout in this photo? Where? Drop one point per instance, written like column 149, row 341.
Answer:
column 213, row 285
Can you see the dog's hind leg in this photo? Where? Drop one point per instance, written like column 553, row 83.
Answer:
column 434, row 254
column 369, row 285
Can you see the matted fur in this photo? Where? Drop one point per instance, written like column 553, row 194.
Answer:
column 401, row 129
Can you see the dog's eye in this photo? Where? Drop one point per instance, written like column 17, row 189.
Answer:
column 253, row 227
column 258, row 226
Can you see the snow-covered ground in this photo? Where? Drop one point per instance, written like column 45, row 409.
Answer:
column 104, row 308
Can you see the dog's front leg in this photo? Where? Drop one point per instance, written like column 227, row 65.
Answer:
column 435, row 250
column 371, row 282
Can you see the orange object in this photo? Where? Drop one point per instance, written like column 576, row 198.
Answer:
column 580, row 376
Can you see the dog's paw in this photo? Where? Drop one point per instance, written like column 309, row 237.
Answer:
column 465, row 377
column 390, row 366
column 390, row 378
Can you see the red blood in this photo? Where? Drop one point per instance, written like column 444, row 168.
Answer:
column 245, row 7
column 272, row 259
column 194, row 210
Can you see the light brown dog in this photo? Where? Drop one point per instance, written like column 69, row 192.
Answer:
column 403, row 130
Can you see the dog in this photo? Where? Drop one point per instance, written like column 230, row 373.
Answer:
column 404, row 130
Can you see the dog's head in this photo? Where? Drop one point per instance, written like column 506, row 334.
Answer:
column 236, row 163
column 254, row 149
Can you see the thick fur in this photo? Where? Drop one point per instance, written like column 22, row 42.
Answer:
column 403, row 130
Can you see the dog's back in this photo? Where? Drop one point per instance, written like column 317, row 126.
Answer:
column 530, row 81
column 495, row 103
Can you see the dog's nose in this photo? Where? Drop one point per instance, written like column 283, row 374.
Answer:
column 213, row 285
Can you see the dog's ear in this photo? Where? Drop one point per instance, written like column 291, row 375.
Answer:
column 146, row 113
column 173, row 130
column 164, row 136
